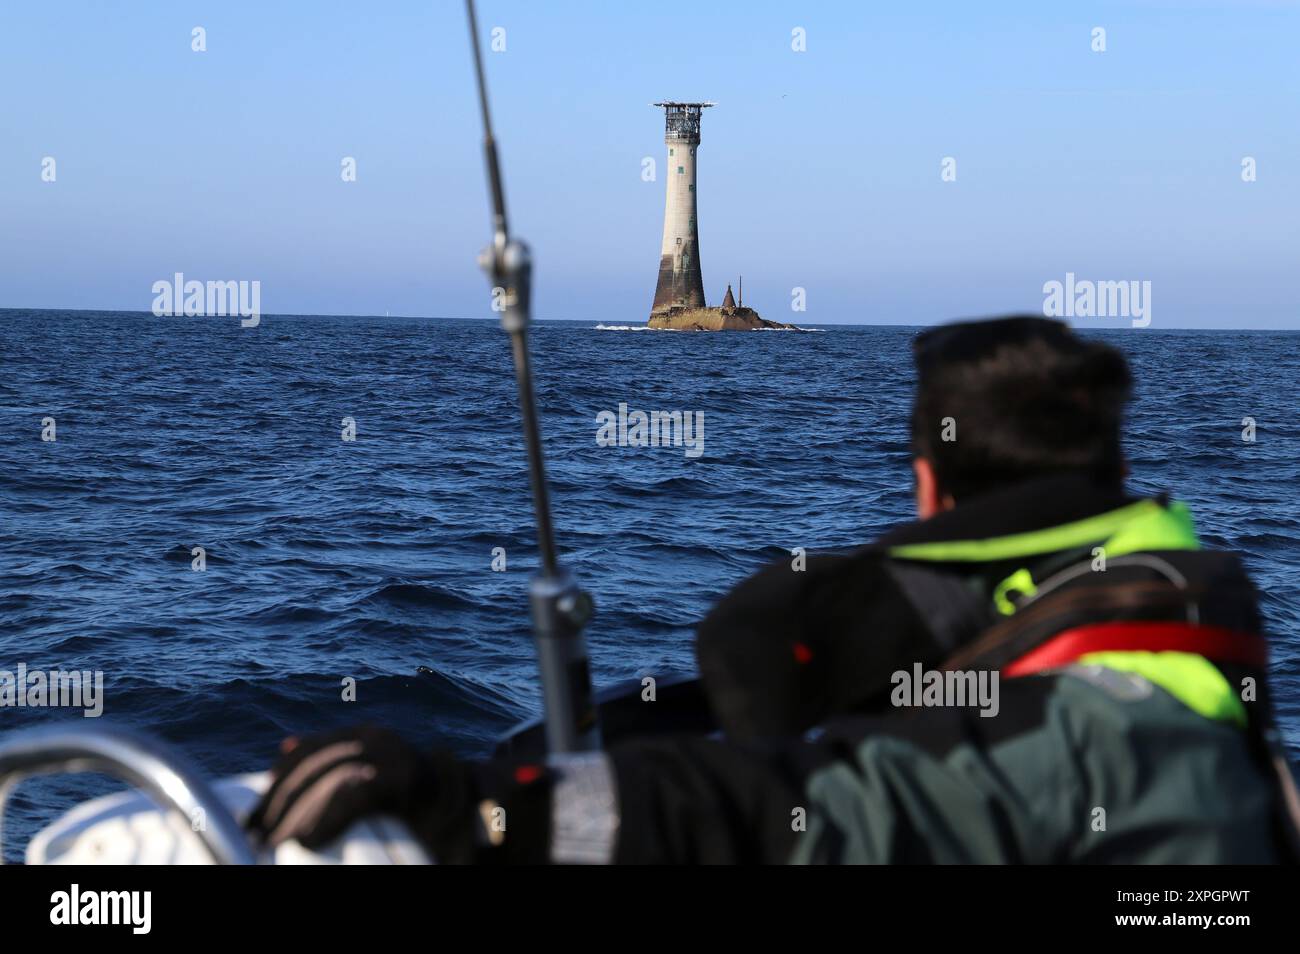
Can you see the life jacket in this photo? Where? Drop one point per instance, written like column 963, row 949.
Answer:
column 1130, row 590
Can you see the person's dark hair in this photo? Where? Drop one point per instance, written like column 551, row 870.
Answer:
column 1027, row 398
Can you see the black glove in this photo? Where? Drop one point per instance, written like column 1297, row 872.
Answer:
column 324, row 783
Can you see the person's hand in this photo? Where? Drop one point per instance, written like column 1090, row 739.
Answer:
column 324, row 783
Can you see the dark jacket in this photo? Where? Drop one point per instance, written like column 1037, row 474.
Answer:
column 1129, row 752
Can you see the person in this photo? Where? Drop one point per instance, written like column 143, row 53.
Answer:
column 1041, row 668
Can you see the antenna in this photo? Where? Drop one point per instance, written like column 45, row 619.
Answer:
column 560, row 609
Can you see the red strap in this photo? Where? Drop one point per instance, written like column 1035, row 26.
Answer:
column 1212, row 642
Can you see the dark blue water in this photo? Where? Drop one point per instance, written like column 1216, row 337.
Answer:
column 329, row 559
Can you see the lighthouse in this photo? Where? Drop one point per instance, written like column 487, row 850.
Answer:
column 680, row 284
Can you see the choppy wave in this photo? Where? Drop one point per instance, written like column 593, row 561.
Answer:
column 631, row 328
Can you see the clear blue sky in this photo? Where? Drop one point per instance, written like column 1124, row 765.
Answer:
column 818, row 169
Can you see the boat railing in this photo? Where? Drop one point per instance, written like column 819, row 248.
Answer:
column 157, row 770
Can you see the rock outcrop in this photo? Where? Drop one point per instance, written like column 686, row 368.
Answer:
column 714, row 319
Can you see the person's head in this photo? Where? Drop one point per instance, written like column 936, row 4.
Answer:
column 1009, row 399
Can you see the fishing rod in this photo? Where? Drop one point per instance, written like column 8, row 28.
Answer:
column 560, row 608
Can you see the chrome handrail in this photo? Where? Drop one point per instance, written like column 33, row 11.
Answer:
column 162, row 773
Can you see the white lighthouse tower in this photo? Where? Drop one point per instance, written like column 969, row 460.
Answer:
column 680, row 283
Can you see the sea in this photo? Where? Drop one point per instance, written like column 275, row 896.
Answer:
column 324, row 521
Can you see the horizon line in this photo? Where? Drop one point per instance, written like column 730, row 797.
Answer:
column 832, row 324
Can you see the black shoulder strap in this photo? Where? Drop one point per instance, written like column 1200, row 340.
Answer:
column 952, row 609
